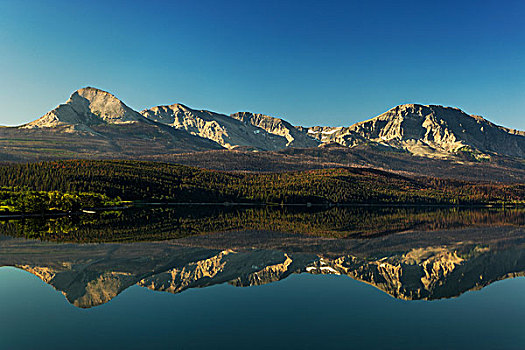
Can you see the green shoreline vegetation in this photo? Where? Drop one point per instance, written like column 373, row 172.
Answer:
column 34, row 202
column 77, row 184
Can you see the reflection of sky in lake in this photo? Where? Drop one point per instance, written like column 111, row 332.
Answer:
column 302, row 311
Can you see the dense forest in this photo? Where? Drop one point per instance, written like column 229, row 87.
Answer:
column 153, row 181
column 144, row 224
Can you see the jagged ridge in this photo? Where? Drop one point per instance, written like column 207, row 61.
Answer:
column 228, row 131
column 429, row 131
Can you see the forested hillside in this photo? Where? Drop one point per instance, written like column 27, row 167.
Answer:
column 152, row 181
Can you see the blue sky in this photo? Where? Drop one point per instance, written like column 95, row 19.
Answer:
column 310, row 62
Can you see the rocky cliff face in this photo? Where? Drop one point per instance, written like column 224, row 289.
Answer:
column 225, row 130
column 295, row 137
column 332, row 136
column 434, row 131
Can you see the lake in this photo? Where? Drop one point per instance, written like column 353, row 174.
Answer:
column 334, row 277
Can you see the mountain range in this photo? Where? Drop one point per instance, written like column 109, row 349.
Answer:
column 96, row 124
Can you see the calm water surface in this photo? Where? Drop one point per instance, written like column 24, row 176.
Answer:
column 433, row 286
column 303, row 311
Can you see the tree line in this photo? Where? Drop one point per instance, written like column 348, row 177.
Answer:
column 153, row 181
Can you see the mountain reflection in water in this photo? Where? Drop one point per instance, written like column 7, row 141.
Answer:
column 415, row 265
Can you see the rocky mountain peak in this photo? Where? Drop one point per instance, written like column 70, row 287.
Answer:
column 90, row 92
column 86, row 107
column 429, row 130
column 106, row 106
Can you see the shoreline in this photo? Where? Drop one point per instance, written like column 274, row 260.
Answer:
column 145, row 205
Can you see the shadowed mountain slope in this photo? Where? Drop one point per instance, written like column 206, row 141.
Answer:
column 498, row 168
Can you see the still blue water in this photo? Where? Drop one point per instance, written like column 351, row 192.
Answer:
column 301, row 312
